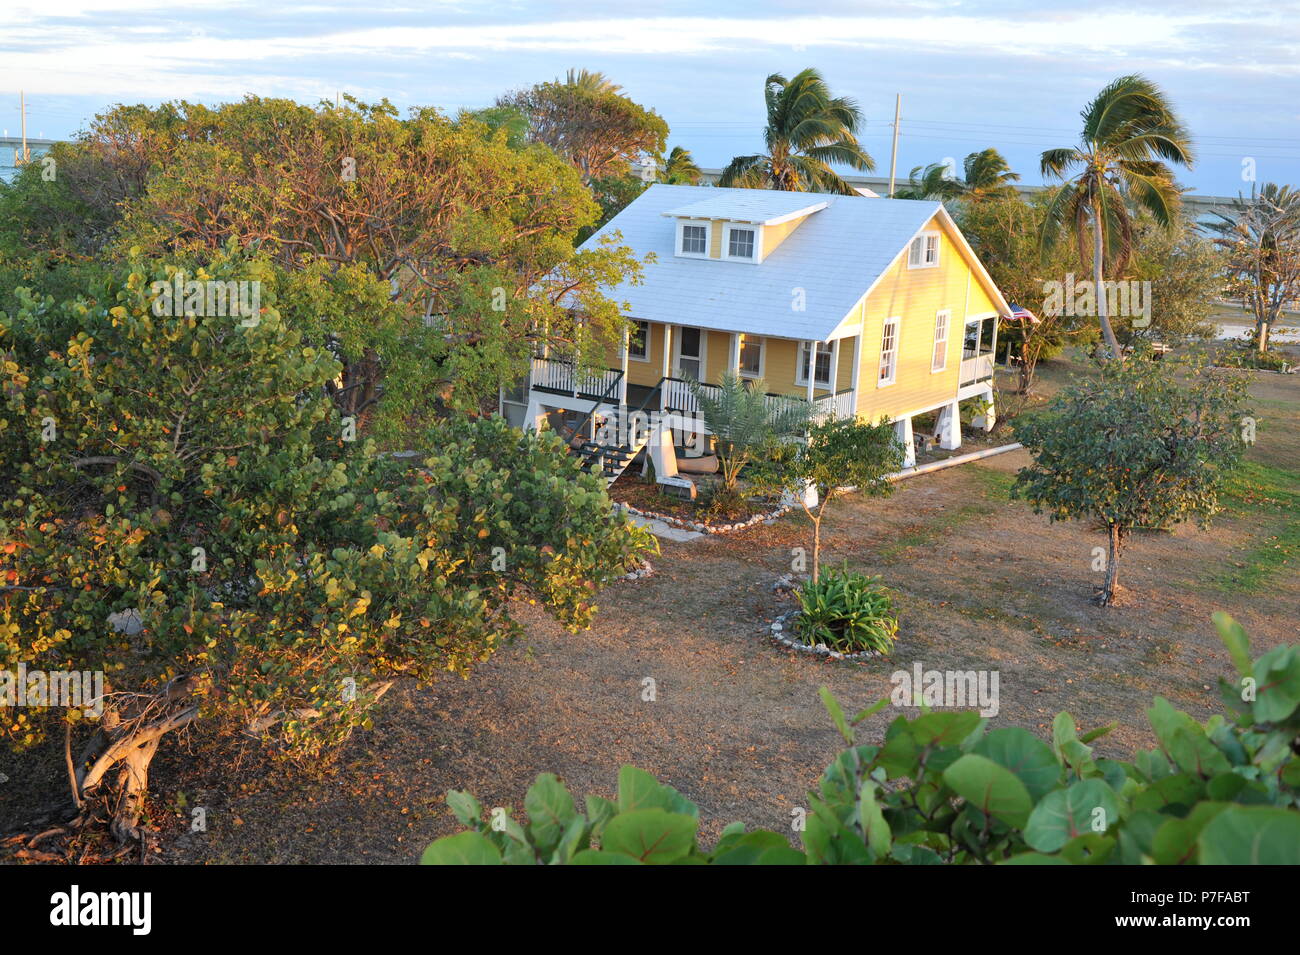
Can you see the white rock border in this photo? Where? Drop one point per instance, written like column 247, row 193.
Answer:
column 703, row 528
column 777, row 630
column 641, row 573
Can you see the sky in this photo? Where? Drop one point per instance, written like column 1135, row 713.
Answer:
column 1012, row 74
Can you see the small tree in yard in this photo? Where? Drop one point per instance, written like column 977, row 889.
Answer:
column 840, row 452
column 1138, row 446
column 183, row 510
column 745, row 423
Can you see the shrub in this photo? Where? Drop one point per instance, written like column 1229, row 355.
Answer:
column 1245, row 355
column 847, row 612
column 191, row 471
column 943, row 789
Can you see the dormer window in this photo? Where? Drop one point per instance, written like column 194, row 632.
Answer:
column 740, row 242
column 923, row 253
column 695, row 239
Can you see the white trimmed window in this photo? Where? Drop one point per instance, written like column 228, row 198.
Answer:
column 889, row 352
column 822, row 375
column 923, row 253
column 740, row 243
column 940, row 359
column 751, row 357
column 695, row 240
column 638, row 342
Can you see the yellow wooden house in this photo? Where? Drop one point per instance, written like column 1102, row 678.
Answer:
column 864, row 306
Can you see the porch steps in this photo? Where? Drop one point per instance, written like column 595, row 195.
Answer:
column 612, row 459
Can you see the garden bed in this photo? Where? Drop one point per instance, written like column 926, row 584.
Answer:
column 649, row 500
column 783, row 632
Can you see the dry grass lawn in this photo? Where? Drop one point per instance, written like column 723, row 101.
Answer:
column 736, row 724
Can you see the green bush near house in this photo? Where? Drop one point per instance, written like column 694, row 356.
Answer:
column 847, row 612
column 942, row 788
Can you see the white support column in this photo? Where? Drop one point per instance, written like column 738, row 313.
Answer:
column 948, row 427
column 667, row 366
column 735, row 354
column 987, row 420
column 622, row 382
column 811, row 369
column 903, row 434
column 857, row 367
column 835, row 365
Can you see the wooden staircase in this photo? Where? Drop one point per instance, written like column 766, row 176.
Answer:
column 612, row 455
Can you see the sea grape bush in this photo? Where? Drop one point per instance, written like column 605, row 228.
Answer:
column 193, row 473
column 944, row 789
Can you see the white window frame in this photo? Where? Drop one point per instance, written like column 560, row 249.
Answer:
column 730, row 227
column 633, row 356
column 922, row 242
column 801, row 376
column 762, row 355
column 939, row 356
column 681, row 233
column 892, row 354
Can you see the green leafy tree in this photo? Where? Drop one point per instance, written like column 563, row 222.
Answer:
column 745, row 422
column 183, row 509
column 1130, row 131
column 1260, row 237
column 1140, row 445
column 471, row 239
column 839, row 452
column 1186, row 272
column 1003, row 231
column 585, row 119
column 943, row 788
column 808, row 133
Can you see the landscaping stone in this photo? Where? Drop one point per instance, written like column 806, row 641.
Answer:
column 699, row 526
column 777, row 631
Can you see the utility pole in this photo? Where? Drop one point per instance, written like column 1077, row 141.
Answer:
column 22, row 108
column 893, row 155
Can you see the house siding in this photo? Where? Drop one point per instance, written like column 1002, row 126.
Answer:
column 914, row 296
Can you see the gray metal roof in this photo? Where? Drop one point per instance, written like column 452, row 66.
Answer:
column 833, row 256
column 760, row 206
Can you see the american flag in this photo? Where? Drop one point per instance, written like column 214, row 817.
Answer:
column 1023, row 315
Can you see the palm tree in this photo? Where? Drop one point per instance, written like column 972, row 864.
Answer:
column 933, row 182
column 745, row 423
column 680, row 169
column 590, row 82
column 986, row 174
column 807, row 132
column 1127, row 131
column 1261, row 238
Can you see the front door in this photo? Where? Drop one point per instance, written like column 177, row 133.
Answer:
column 690, row 353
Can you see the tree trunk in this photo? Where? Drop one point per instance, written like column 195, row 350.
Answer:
column 1262, row 328
column 1112, row 566
column 127, row 741
column 817, row 544
column 1098, row 258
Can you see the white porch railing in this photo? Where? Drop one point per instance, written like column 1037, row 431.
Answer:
column 839, row 405
column 554, row 374
column 976, row 368
column 679, row 397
